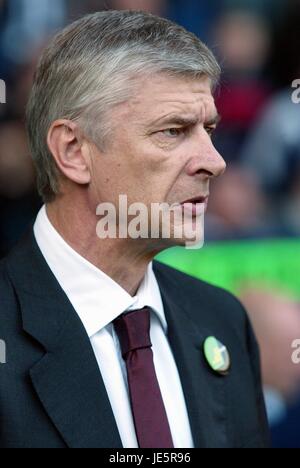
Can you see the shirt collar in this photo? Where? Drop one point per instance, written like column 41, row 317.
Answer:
column 96, row 297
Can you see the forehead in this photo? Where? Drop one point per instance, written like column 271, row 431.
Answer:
column 160, row 97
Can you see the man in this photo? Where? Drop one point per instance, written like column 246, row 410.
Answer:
column 103, row 347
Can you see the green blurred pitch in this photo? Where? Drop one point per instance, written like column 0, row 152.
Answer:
column 271, row 263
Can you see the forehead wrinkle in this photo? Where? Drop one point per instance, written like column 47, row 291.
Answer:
column 191, row 103
column 180, row 101
column 181, row 117
column 194, row 109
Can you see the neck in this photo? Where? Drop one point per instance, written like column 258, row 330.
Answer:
column 123, row 260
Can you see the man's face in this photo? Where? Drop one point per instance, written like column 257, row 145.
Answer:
column 160, row 149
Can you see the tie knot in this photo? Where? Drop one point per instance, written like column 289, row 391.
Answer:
column 133, row 330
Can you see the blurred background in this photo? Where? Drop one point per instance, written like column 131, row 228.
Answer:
column 253, row 225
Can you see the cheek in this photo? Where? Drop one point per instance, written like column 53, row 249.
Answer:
column 105, row 182
column 162, row 166
column 142, row 172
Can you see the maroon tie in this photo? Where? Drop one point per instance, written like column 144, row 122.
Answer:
column 150, row 418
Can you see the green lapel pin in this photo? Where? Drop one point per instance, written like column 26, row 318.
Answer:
column 217, row 355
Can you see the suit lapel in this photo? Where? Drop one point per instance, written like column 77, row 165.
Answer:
column 67, row 379
column 205, row 391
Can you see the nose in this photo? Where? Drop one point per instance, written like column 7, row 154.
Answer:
column 207, row 160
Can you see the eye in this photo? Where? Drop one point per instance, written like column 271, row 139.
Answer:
column 173, row 132
column 210, row 130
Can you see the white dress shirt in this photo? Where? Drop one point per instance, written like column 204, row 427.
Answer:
column 98, row 300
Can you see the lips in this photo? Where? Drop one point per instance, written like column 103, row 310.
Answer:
column 198, row 199
column 195, row 206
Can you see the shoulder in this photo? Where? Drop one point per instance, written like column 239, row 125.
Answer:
column 8, row 299
column 6, row 287
column 205, row 295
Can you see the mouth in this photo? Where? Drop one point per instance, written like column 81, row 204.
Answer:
column 196, row 206
column 199, row 199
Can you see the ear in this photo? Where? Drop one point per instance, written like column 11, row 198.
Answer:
column 68, row 149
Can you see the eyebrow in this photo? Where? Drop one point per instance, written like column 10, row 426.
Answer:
column 186, row 121
column 215, row 120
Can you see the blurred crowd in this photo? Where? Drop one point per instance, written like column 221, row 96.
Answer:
column 258, row 44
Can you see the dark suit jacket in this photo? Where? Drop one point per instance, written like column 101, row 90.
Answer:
column 52, row 393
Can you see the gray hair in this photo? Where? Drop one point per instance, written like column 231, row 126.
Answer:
column 91, row 66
